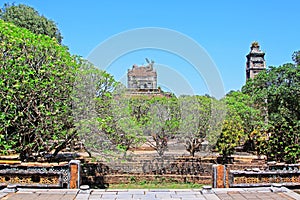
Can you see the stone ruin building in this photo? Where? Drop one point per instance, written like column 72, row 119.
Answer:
column 142, row 77
column 142, row 80
column 255, row 61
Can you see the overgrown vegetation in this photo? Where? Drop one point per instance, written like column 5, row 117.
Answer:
column 276, row 94
column 27, row 17
column 36, row 81
column 49, row 98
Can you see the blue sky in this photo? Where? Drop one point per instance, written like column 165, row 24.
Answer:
column 225, row 29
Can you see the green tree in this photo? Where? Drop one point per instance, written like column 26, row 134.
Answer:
column 163, row 122
column 217, row 116
column 36, row 82
column 27, row 17
column 106, row 119
column 240, row 107
column 195, row 114
column 276, row 93
column 241, row 104
column 232, row 132
column 239, row 123
column 92, row 94
column 123, row 129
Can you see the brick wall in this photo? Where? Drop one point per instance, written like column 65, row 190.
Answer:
column 182, row 169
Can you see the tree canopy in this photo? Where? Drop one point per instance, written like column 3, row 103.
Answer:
column 195, row 114
column 276, row 92
column 49, row 97
column 36, row 81
column 27, row 17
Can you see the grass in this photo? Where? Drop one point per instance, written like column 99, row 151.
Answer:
column 154, row 185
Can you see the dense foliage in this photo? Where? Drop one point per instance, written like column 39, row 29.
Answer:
column 276, row 92
column 240, row 120
column 36, row 79
column 47, row 100
column 231, row 134
column 123, row 129
column 264, row 117
column 27, row 17
column 127, row 122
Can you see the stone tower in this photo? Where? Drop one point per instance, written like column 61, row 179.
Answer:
column 142, row 77
column 255, row 61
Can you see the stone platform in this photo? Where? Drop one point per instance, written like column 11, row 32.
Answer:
column 153, row 194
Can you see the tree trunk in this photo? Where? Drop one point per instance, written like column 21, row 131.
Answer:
column 192, row 153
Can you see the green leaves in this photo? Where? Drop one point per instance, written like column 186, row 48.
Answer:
column 276, row 93
column 26, row 17
column 195, row 115
column 232, row 132
column 35, row 99
column 162, row 122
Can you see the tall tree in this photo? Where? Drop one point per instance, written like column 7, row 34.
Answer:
column 240, row 106
column 217, row 116
column 92, row 94
column 276, row 92
column 195, row 114
column 240, row 121
column 119, row 123
column 162, row 122
column 27, row 17
column 36, row 82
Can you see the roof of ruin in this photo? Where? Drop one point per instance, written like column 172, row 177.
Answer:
column 142, row 71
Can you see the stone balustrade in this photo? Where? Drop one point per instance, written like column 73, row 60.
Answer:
column 261, row 176
column 43, row 175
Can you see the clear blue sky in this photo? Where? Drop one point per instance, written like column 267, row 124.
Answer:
column 225, row 29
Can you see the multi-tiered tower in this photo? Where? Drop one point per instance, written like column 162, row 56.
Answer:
column 255, row 61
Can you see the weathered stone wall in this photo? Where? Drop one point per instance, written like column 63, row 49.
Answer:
column 180, row 170
column 250, row 175
column 35, row 174
column 106, row 180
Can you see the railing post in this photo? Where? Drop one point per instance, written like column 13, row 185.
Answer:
column 219, row 176
column 74, row 174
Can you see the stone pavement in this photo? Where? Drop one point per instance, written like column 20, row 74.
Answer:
column 265, row 193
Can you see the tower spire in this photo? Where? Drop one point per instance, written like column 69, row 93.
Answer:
column 255, row 61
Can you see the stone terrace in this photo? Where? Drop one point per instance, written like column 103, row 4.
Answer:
column 154, row 194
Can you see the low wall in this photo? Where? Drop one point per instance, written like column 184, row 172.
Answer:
column 101, row 181
column 44, row 175
column 263, row 178
column 187, row 169
column 225, row 176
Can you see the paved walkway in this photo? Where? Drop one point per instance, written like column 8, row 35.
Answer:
column 152, row 194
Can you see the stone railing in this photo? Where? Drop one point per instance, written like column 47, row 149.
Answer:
column 254, row 178
column 261, row 176
column 64, row 175
column 31, row 178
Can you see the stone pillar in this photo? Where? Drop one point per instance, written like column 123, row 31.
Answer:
column 75, row 177
column 219, row 176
